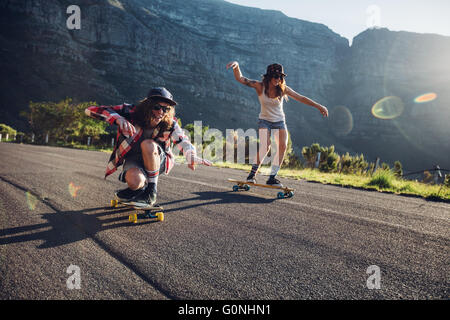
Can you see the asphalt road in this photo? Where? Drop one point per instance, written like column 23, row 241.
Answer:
column 214, row 243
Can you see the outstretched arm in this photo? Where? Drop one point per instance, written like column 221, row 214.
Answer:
column 291, row 93
column 240, row 78
column 114, row 115
column 182, row 142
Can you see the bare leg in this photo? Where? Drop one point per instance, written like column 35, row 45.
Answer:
column 150, row 155
column 135, row 179
column 264, row 145
column 263, row 150
column 281, row 140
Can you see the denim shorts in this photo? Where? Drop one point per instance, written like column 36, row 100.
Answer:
column 135, row 160
column 264, row 124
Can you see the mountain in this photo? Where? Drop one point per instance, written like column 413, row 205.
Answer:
column 124, row 47
column 400, row 67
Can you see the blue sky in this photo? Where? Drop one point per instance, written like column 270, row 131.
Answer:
column 350, row 17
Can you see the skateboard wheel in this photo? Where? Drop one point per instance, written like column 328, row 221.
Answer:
column 235, row 188
column 290, row 194
column 246, row 187
column 160, row 216
column 132, row 218
column 280, row 195
column 114, row 203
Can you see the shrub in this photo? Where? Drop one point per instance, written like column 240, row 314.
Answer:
column 310, row 154
column 328, row 158
column 353, row 164
column 385, row 166
column 398, row 169
column 447, row 180
column 427, row 177
column 383, row 179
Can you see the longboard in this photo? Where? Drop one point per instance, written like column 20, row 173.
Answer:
column 244, row 185
column 142, row 212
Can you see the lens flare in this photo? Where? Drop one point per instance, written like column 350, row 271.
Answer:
column 31, row 200
column 73, row 189
column 427, row 97
column 388, row 108
column 341, row 121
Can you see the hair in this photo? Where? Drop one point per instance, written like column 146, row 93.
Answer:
column 280, row 89
column 143, row 115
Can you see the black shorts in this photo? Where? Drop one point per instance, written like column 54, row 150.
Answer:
column 135, row 160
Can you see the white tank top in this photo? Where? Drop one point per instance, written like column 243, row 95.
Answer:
column 271, row 109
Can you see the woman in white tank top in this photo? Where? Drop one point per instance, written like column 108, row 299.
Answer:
column 272, row 91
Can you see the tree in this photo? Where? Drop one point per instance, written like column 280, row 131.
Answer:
column 83, row 126
column 42, row 117
column 63, row 120
column 5, row 129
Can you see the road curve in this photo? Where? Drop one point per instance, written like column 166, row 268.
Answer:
column 326, row 242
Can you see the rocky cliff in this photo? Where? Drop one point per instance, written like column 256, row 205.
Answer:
column 124, row 47
column 410, row 74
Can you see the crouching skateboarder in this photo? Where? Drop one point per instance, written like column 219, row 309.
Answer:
column 143, row 144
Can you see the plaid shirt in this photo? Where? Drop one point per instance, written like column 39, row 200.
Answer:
column 123, row 144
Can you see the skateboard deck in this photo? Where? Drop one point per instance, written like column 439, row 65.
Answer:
column 244, row 185
column 142, row 212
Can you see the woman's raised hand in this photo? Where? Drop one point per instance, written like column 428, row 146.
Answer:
column 232, row 64
column 323, row 110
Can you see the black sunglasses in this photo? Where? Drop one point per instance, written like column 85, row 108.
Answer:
column 158, row 107
column 278, row 76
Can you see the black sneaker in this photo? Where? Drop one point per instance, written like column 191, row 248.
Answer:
column 251, row 178
column 147, row 196
column 273, row 182
column 126, row 194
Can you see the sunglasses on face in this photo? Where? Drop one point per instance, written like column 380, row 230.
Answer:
column 278, row 76
column 159, row 107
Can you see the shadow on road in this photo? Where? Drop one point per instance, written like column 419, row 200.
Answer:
column 215, row 198
column 65, row 227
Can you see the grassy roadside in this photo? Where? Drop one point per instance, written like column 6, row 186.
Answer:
column 382, row 181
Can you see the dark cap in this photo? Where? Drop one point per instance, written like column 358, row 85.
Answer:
column 275, row 68
column 161, row 93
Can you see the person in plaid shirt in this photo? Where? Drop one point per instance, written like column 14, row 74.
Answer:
column 143, row 144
